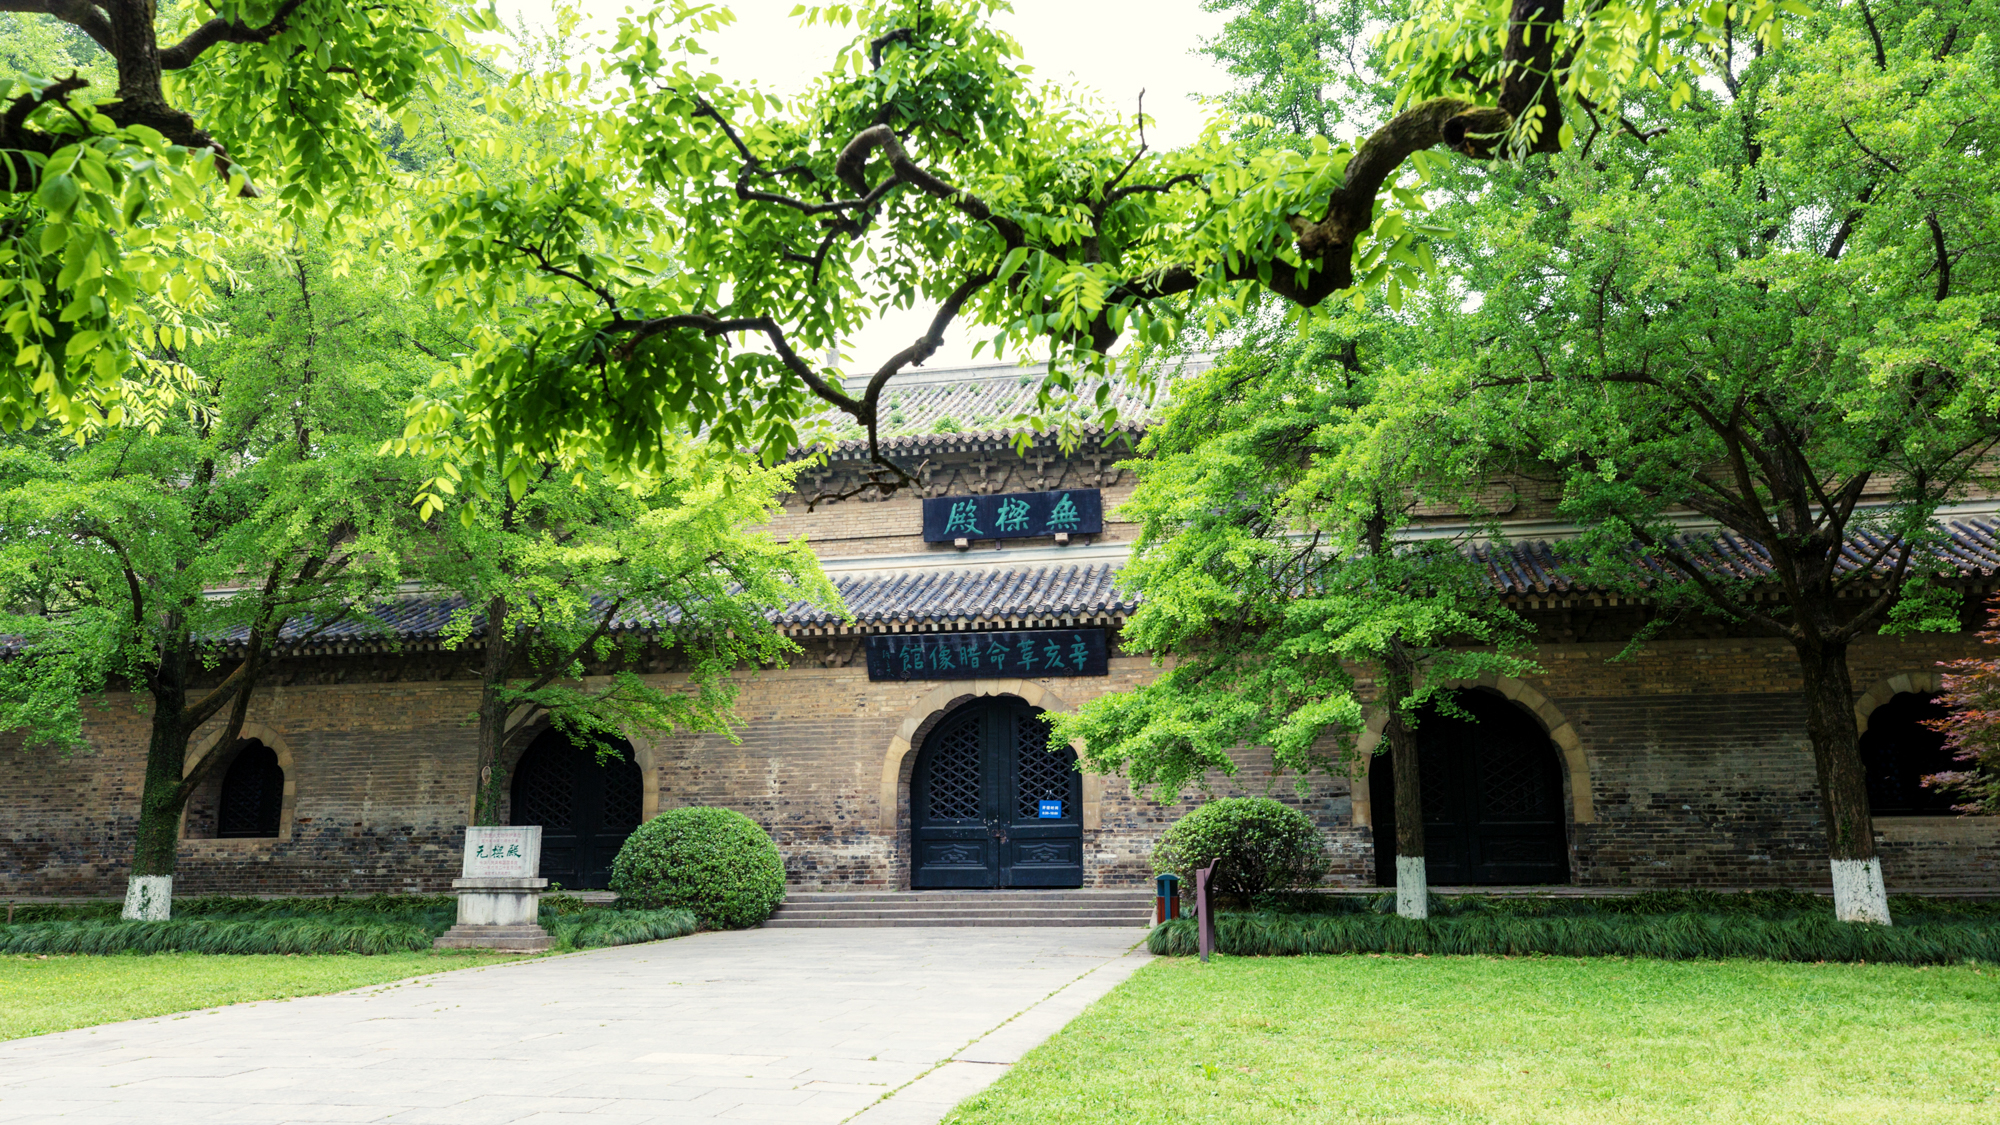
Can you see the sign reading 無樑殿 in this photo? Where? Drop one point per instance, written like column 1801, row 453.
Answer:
column 1013, row 515
column 511, row 852
column 970, row 656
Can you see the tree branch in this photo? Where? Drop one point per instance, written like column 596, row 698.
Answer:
column 182, row 54
column 1885, row 161
column 79, row 13
column 1943, row 260
column 557, row 668
column 1868, row 17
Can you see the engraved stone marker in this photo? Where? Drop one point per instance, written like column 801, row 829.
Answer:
column 499, row 891
column 513, row 852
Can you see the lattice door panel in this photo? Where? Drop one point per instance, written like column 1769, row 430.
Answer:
column 957, row 772
column 1041, row 774
column 1513, row 777
column 1434, row 774
column 624, row 797
column 545, row 793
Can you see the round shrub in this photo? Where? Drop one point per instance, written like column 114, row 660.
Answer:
column 716, row 863
column 1256, row 843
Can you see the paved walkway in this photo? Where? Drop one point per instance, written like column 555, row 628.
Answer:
column 793, row 1026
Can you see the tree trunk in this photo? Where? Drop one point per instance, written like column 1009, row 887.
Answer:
column 149, row 892
column 492, row 715
column 1858, row 894
column 1413, row 892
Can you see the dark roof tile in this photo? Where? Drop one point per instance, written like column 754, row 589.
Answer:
column 1971, row 548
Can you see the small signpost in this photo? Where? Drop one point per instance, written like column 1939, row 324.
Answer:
column 1204, row 912
column 1048, row 810
column 499, row 891
column 1167, row 898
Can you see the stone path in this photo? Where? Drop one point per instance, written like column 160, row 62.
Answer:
column 794, row 1026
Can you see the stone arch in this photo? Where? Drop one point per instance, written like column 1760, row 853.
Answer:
column 270, row 737
column 1576, row 766
column 1920, row 683
column 925, row 713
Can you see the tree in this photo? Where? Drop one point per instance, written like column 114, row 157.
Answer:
column 572, row 581
column 1311, row 68
column 284, row 98
column 687, row 270
column 702, row 239
column 218, row 534
column 1972, row 729
column 1273, row 565
column 1773, row 310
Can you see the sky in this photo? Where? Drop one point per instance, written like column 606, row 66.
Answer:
column 1115, row 47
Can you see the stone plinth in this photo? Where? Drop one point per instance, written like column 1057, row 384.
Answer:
column 497, row 913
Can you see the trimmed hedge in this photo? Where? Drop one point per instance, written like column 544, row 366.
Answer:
column 1259, row 845
column 376, row 924
column 717, row 863
column 1767, row 926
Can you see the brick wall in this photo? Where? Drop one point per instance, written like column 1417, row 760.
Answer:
column 382, row 775
column 1698, row 775
column 1697, row 769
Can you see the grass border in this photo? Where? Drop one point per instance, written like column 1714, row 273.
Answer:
column 1683, row 936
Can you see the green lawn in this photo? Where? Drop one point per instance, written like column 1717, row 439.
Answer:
column 1542, row 1040
column 43, row 994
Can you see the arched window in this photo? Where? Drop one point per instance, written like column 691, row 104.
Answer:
column 253, row 793
column 1899, row 751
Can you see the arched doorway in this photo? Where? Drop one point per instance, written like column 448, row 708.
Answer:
column 1493, row 798
column 992, row 806
column 1898, row 751
column 586, row 809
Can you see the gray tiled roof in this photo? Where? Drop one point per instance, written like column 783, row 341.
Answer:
column 1971, row 548
column 976, row 597
column 885, row 602
column 1084, row 592
column 968, row 408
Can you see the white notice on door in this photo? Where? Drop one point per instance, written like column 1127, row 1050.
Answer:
column 513, row 852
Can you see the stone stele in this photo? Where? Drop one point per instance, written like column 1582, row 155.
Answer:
column 499, row 892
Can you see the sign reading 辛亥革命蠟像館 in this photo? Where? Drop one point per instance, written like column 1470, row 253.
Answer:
column 1013, row 515
column 511, row 852
column 969, row 656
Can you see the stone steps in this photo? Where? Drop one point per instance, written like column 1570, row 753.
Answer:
column 966, row 908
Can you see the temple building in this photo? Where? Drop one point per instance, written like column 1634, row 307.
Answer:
column 901, row 751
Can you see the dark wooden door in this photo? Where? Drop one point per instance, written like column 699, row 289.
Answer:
column 983, row 781
column 1492, row 794
column 586, row 808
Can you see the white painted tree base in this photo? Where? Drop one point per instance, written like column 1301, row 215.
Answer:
column 1858, row 895
column 1413, row 888
column 149, row 898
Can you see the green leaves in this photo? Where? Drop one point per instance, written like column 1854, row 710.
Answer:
column 1608, row 53
column 1273, row 585
column 1746, row 319
column 127, row 553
